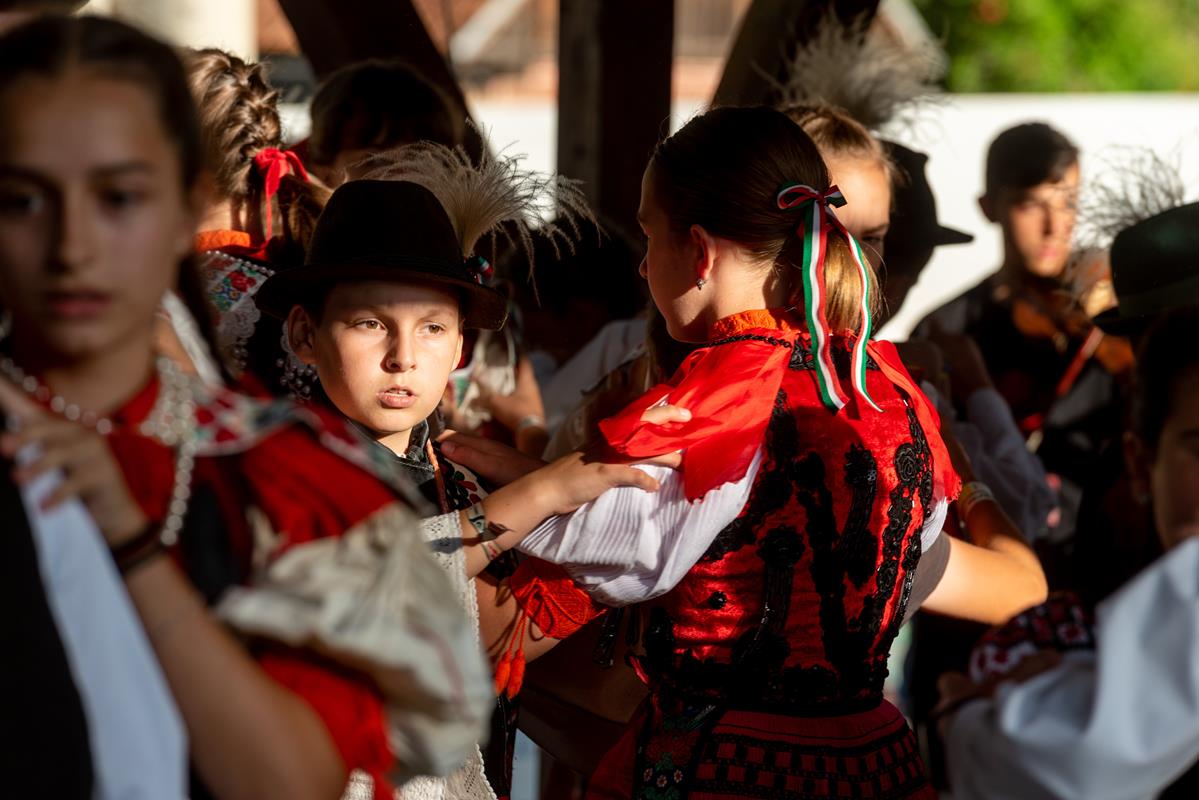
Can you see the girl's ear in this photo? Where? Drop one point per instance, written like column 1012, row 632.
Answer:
column 703, row 244
column 458, row 349
column 301, row 335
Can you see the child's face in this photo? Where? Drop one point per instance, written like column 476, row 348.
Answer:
column 1038, row 223
column 94, row 217
column 1174, row 474
column 867, row 210
column 669, row 266
column 383, row 351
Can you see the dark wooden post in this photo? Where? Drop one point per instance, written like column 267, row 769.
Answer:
column 614, row 60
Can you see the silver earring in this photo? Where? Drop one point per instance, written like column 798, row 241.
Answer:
column 699, row 282
column 297, row 377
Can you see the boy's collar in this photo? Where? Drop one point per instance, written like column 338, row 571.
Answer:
column 418, row 437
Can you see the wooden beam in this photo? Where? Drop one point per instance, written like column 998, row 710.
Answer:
column 769, row 33
column 614, row 59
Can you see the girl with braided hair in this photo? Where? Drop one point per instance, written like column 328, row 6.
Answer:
column 262, row 206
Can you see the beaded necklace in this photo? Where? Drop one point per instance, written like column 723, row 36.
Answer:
column 171, row 422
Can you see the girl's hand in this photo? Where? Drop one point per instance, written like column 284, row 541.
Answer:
column 495, row 462
column 573, row 481
column 660, row 415
column 89, row 470
column 655, row 415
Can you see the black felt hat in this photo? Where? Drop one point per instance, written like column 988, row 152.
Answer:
column 1155, row 267
column 384, row 231
column 914, row 227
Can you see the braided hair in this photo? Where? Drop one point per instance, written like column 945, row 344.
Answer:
column 239, row 118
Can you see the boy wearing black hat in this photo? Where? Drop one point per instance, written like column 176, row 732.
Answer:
column 378, row 309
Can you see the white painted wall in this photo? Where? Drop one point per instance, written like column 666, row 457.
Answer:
column 228, row 24
column 956, row 137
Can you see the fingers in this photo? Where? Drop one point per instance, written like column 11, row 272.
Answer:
column 671, row 460
column 620, row 475
column 71, row 486
column 44, row 430
column 454, row 443
column 493, row 461
column 71, row 455
column 15, row 402
column 660, row 415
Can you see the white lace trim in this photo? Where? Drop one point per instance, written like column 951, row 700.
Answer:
column 232, row 284
column 444, row 535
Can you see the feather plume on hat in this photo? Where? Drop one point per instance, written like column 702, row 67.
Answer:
column 855, row 68
column 494, row 196
column 1133, row 184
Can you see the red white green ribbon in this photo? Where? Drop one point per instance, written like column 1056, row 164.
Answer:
column 814, row 230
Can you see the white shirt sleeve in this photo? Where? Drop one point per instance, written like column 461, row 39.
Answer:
column 1117, row 724
column 630, row 545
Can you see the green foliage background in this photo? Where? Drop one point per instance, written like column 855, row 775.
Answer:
column 1068, row 45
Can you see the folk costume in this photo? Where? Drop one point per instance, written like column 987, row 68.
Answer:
column 445, row 205
column 773, row 567
column 1152, row 270
column 1112, row 720
column 298, row 540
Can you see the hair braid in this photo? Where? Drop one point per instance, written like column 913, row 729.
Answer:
column 239, row 117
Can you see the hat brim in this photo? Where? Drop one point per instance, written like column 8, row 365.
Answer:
column 1113, row 323
column 943, row 235
column 482, row 306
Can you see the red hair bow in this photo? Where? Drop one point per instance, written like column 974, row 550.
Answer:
column 273, row 164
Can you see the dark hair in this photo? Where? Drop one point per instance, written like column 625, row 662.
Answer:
column 53, row 45
column 1026, row 155
column 1165, row 358
column 601, row 268
column 723, row 171
column 380, row 104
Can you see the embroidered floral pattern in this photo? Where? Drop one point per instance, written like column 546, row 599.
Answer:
column 232, row 283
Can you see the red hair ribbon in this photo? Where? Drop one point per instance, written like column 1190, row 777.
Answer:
column 814, row 231
column 273, row 164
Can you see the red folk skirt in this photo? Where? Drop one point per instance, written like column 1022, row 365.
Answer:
column 753, row 754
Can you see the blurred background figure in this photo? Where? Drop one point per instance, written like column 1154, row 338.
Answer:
column 374, row 106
